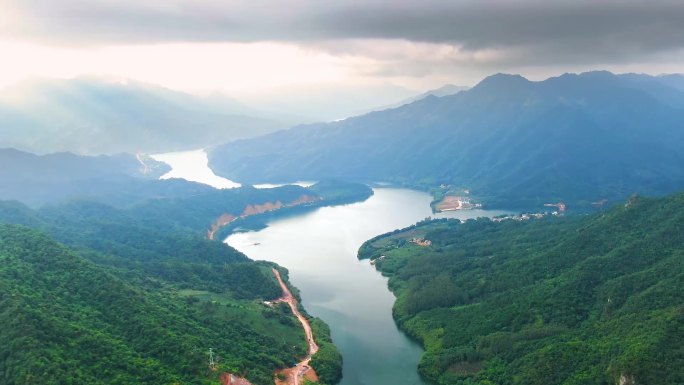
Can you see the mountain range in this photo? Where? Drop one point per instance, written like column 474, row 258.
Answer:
column 445, row 90
column 116, row 179
column 512, row 142
column 126, row 303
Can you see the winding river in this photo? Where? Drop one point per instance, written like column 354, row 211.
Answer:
column 319, row 249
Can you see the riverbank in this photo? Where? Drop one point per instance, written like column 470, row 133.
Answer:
column 324, row 193
column 542, row 301
column 255, row 209
column 319, row 247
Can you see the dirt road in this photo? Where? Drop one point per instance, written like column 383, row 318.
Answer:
column 296, row 374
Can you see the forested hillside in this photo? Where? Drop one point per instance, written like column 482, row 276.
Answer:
column 67, row 320
column 125, row 240
column 205, row 293
column 510, row 141
column 577, row 300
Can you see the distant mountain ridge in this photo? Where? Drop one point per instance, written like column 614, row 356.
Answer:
column 115, row 179
column 100, row 116
column 512, row 142
column 78, row 167
column 445, row 90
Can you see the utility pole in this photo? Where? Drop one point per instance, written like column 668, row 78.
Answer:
column 212, row 364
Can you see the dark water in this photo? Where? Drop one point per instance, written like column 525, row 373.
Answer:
column 319, row 248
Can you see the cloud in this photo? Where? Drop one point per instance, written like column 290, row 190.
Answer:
column 473, row 24
column 381, row 38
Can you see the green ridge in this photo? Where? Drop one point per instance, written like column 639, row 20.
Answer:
column 576, row 300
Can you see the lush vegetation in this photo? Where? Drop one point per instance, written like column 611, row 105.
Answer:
column 129, row 240
column 197, row 211
column 155, row 254
column 203, row 292
column 511, row 142
column 575, row 300
column 327, row 361
column 338, row 192
column 67, row 320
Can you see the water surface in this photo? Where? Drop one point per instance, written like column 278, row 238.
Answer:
column 319, row 249
column 193, row 166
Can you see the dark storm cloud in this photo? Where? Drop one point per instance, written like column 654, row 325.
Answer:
column 581, row 30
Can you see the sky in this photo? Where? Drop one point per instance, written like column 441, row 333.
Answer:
column 276, row 46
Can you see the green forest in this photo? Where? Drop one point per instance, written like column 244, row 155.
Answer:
column 67, row 320
column 571, row 300
column 93, row 294
column 328, row 360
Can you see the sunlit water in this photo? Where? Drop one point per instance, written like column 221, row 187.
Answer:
column 303, row 183
column 319, row 248
column 194, row 166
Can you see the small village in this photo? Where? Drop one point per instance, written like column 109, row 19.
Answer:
column 527, row 216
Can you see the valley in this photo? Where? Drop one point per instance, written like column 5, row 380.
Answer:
column 342, row 193
column 319, row 249
column 443, row 295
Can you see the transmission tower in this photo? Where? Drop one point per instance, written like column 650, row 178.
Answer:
column 212, row 363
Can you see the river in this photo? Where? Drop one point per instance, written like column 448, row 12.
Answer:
column 319, row 249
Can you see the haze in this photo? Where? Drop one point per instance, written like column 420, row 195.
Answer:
column 262, row 52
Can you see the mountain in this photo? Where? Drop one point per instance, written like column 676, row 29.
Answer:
column 104, row 295
column 117, row 179
column 72, row 315
column 445, row 90
column 99, row 116
column 21, row 164
column 672, row 80
column 510, row 141
column 155, row 232
column 588, row 300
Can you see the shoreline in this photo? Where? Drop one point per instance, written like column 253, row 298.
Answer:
column 255, row 209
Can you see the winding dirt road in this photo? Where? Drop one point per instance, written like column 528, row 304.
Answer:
column 296, row 373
